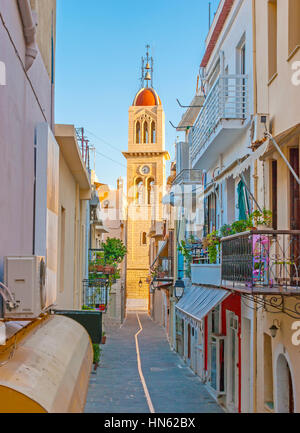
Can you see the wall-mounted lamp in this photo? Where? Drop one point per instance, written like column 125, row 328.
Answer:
column 274, row 328
column 141, row 282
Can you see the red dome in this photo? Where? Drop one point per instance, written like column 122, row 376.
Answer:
column 146, row 97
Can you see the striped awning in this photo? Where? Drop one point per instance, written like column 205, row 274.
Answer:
column 199, row 301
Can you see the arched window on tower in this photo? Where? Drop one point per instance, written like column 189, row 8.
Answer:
column 138, row 132
column 144, row 238
column 150, row 191
column 139, row 187
column 146, row 133
column 153, row 132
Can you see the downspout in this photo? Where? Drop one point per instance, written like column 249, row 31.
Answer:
column 29, row 30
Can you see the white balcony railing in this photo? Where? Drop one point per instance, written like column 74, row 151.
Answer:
column 227, row 99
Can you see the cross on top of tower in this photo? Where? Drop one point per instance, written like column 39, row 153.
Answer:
column 147, row 69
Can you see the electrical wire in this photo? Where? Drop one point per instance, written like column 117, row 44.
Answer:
column 111, row 159
column 102, row 140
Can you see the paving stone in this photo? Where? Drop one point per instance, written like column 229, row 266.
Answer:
column 116, row 387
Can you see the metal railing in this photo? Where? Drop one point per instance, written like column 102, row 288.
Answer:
column 95, row 293
column 200, row 255
column 227, row 99
column 189, row 176
column 265, row 259
column 93, row 253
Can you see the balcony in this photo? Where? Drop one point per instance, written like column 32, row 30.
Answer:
column 189, row 177
column 164, row 269
column 262, row 262
column 202, row 271
column 221, row 120
column 96, row 294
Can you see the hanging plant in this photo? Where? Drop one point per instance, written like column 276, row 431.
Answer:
column 212, row 242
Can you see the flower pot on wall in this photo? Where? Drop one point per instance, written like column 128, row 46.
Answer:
column 103, row 339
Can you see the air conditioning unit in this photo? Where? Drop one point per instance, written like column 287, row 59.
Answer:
column 259, row 125
column 26, row 279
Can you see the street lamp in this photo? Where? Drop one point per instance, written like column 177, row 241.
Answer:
column 179, row 288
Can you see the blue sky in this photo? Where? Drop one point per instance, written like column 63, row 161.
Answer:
column 98, row 58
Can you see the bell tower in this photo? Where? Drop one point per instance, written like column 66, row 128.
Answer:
column 146, row 179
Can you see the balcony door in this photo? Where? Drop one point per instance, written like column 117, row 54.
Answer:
column 294, row 212
column 294, row 191
column 241, row 83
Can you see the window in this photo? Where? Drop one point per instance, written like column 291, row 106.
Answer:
column 144, row 238
column 138, row 132
column 150, row 192
column 139, row 188
column 272, row 34
column 294, row 25
column 212, row 204
column 146, row 133
column 153, row 132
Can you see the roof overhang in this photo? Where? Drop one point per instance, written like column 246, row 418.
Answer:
column 66, row 137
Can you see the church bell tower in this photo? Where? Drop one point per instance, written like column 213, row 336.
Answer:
column 146, row 178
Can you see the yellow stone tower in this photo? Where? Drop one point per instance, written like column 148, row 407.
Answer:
column 146, row 178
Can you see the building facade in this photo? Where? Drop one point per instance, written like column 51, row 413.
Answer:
column 56, row 380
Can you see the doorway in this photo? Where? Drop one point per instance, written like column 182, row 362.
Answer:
column 285, row 391
column 233, row 362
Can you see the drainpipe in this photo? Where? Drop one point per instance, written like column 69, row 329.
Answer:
column 29, row 30
column 254, row 56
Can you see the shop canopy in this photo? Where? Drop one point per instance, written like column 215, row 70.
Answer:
column 199, row 301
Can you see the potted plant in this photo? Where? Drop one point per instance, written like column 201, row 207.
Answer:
column 96, row 357
column 103, row 339
column 226, row 230
column 239, row 226
column 260, row 220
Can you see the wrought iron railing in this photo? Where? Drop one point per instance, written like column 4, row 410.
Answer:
column 93, row 253
column 96, row 293
column 265, row 259
column 200, row 255
column 227, row 99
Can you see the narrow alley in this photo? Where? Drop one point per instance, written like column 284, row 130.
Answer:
column 117, row 387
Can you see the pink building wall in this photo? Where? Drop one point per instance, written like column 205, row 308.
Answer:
column 25, row 101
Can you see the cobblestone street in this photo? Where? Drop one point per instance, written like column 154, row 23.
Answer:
column 172, row 386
